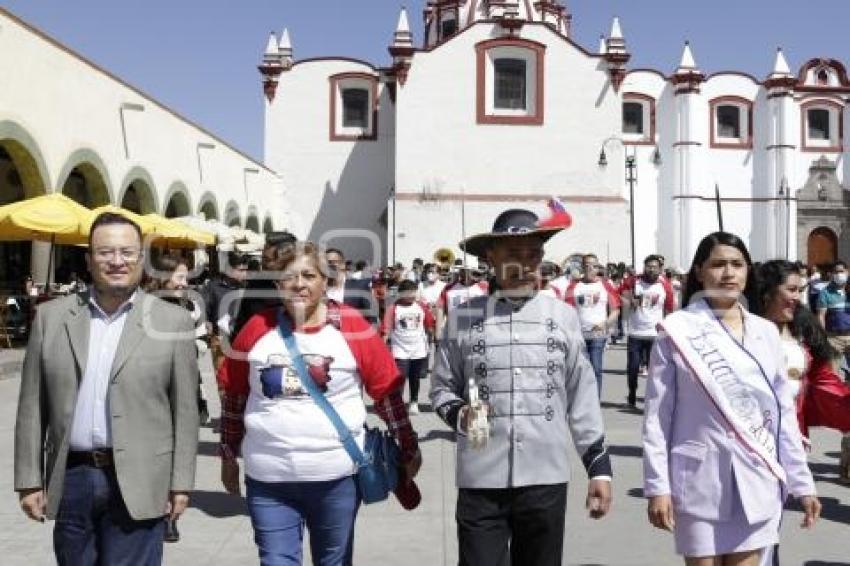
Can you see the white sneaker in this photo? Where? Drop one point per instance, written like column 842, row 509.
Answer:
column 413, row 409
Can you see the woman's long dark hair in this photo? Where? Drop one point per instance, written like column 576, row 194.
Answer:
column 804, row 326
column 692, row 284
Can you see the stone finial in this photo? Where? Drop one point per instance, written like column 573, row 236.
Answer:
column 780, row 65
column 271, row 54
column 274, row 63
column 285, row 46
column 402, row 48
column 687, row 62
column 603, row 46
column 687, row 77
column 616, row 54
column 780, row 81
column 616, row 30
column 402, row 36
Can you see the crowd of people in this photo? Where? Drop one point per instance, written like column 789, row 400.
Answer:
column 740, row 360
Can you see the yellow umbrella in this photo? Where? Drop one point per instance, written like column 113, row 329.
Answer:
column 176, row 234
column 51, row 218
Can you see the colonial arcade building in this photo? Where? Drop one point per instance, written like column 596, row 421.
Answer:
column 68, row 126
column 498, row 106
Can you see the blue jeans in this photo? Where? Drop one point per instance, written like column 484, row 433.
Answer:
column 280, row 510
column 93, row 525
column 595, row 352
column 638, row 350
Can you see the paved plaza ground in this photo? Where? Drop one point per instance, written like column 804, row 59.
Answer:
column 216, row 530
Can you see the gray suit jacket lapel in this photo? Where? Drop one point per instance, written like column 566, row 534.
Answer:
column 132, row 334
column 78, row 325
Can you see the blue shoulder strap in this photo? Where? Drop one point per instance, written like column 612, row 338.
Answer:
column 310, row 386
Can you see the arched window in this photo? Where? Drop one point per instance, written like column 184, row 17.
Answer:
column 823, row 78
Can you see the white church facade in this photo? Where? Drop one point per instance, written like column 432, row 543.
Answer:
column 498, row 106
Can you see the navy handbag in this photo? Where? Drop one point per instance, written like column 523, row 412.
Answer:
column 377, row 468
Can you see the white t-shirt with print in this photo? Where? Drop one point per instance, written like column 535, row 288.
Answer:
column 289, row 438
column 650, row 310
column 592, row 305
column 408, row 338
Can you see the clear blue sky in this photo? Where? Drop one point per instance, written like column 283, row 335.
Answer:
column 199, row 56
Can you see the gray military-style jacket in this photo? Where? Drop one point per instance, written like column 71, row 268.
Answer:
column 529, row 364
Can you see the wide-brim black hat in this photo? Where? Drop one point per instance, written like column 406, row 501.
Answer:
column 512, row 223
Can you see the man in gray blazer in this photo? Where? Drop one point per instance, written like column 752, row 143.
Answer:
column 107, row 426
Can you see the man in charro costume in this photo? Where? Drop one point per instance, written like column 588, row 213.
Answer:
column 512, row 379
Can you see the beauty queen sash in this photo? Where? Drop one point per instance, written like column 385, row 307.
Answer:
column 717, row 362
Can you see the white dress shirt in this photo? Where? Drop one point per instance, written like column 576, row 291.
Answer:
column 91, row 428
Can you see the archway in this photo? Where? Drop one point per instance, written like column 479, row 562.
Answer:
column 19, row 179
column 138, row 197
column 822, row 247
column 251, row 221
column 267, row 225
column 208, row 207
column 84, row 179
column 138, row 194
column 177, row 204
column 84, row 184
column 231, row 215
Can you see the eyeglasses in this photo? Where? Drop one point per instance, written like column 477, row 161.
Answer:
column 128, row 255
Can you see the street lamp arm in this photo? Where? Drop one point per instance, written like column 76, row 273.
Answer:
column 631, row 179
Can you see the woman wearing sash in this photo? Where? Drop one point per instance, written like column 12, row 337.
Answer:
column 722, row 448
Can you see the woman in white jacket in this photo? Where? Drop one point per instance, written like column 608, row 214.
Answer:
column 722, row 448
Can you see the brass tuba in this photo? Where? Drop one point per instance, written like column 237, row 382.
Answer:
column 444, row 257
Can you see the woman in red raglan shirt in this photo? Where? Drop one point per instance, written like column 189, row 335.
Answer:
column 297, row 471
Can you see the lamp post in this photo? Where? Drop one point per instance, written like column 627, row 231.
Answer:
column 392, row 196
column 631, row 179
column 785, row 197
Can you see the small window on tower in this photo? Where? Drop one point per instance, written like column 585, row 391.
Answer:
column 728, row 122
column 823, row 78
column 510, row 84
column 355, row 108
column 448, row 28
column 633, row 118
column 818, row 124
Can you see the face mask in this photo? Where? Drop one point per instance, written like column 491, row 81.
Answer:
column 432, row 277
column 839, row 278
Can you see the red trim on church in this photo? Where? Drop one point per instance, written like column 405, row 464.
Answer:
column 819, row 103
column 713, row 104
column 334, row 81
column 481, row 49
column 639, row 97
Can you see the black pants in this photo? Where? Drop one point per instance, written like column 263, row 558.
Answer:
column 521, row 526
column 413, row 370
column 637, row 351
